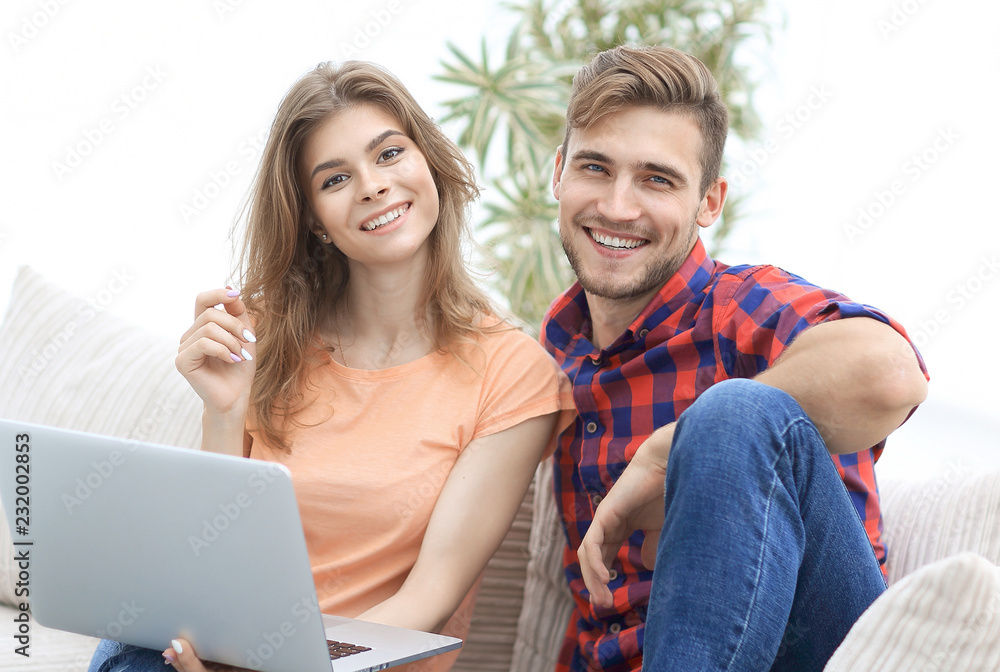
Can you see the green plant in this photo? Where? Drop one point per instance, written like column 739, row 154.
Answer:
column 517, row 107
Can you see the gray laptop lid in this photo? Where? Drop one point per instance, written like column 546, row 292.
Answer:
column 104, row 515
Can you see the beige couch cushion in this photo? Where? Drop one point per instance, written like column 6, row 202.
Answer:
column 929, row 520
column 547, row 600
column 944, row 616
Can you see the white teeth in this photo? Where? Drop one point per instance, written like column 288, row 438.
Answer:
column 384, row 219
column 616, row 242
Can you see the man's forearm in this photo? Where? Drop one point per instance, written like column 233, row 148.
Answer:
column 857, row 379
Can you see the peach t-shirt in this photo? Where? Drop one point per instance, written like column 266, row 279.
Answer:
column 376, row 447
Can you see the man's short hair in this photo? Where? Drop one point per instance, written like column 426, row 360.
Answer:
column 660, row 77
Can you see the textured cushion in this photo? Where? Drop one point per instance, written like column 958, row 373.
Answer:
column 930, row 520
column 547, row 600
column 51, row 650
column 944, row 616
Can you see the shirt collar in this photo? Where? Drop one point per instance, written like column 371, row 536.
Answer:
column 571, row 315
column 689, row 280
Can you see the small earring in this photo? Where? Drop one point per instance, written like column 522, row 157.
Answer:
column 325, row 237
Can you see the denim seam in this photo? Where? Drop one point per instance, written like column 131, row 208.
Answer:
column 760, row 557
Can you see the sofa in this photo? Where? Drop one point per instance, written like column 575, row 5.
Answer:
column 67, row 365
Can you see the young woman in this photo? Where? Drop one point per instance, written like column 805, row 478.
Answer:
column 360, row 354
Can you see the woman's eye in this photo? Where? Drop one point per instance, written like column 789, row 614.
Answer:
column 390, row 153
column 333, row 181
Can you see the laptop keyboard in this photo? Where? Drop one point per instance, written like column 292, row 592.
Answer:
column 343, row 649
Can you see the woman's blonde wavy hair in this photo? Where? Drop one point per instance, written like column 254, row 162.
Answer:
column 291, row 281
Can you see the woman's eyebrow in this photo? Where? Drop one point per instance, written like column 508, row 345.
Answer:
column 327, row 165
column 376, row 141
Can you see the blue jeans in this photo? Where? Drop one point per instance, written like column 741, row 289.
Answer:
column 763, row 563
column 114, row 657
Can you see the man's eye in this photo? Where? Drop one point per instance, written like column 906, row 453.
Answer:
column 593, row 168
column 659, row 179
column 390, row 153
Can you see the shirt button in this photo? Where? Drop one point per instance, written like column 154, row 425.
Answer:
column 613, row 574
column 615, row 628
column 591, row 427
column 643, row 333
column 597, row 499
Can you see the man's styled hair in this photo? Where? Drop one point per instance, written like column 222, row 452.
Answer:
column 660, row 77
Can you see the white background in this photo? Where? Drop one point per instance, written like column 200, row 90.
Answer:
column 869, row 85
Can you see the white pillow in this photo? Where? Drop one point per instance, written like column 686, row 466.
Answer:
column 944, row 616
column 65, row 364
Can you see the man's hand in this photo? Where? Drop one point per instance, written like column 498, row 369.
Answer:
column 634, row 503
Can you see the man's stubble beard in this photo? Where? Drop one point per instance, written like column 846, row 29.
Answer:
column 653, row 276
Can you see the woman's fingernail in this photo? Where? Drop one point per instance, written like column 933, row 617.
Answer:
column 219, row 306
column 247, row 334
column 233, row 293
column 235, row 358
column 168, row 659
column 177, row 646
column 246, row 355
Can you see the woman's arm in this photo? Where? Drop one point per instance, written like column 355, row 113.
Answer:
column 471, row 517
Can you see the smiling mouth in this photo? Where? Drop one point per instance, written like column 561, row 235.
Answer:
column 381, row 221
column 615, row 242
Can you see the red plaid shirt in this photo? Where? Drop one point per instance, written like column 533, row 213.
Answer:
column 708, row 323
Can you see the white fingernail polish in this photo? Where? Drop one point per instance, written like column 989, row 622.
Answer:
column 177, row 646
column 247, row 334
column 246, row 355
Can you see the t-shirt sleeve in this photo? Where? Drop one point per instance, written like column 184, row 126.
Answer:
column 762, row 309
column 521, row 381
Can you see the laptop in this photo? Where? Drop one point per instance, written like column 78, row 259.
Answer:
column 142, row 543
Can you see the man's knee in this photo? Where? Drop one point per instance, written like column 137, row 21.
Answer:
column 739, row 401
column 736, row 415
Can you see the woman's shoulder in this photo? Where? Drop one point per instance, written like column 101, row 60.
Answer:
column 505, row 343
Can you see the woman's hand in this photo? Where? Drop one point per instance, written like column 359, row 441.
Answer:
column 182, row 657
column 216, row 353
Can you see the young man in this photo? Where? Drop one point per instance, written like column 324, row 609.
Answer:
column 711, row 397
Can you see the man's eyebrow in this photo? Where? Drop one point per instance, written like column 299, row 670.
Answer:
column 591, row 155
column 376, row 141
column 671, row 172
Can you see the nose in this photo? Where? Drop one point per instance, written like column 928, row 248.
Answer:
column 618, row 202
column 372, row 184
